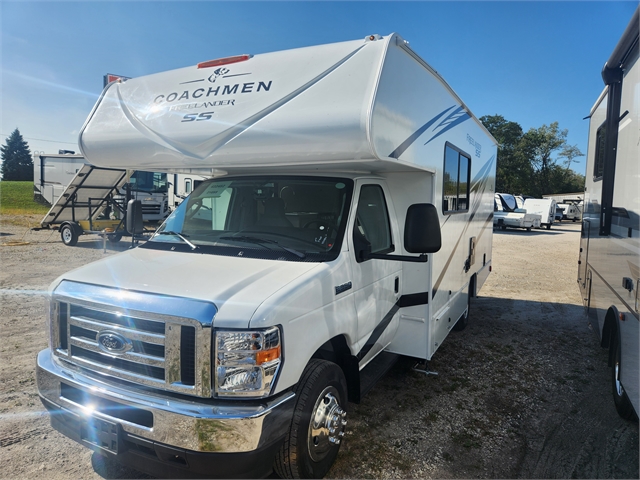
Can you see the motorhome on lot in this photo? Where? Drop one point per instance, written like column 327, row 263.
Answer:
column 53, row 173
column 181, row 186
column 349, row 220
column 609, row 265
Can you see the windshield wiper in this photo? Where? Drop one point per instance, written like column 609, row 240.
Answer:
column 180, row 236
column 260, row 241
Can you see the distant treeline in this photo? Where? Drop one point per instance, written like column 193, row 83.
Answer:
column 536, row 162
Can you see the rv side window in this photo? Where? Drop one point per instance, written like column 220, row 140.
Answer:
column 598, row 167
column 187, row 186
column 372, row 220
column 455, row 191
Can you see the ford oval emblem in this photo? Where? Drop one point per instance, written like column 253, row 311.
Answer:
column 113, row 343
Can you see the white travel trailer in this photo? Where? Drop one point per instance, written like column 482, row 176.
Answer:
column 571, row 209
column 349, row 220
column 609, row 265
column 545, row 207
column 508, row 213
column 53, row 173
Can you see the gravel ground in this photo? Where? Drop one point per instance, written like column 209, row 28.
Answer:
column 523, row 392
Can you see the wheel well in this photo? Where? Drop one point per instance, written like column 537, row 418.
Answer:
column 472, row 285
column 337, row 351
column 76, row 228
column 610, row 331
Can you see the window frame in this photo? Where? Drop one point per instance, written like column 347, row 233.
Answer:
column 391, row 248
column 599, row 152
column 461, row 153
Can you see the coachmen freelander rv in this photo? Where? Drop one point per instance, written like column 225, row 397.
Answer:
column 609, row 265
column 349, row 221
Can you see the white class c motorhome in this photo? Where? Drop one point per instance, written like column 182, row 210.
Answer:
column 349, row 218
column 609, row 264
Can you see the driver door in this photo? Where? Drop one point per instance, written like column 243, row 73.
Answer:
column 376, row 282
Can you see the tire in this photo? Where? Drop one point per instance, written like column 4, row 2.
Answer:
column 321, row 396
column 463, row 321
column 548, row 226
column 115, row 238
column 528, row 229
column 68, row 235
column 503, row 227
column 620, row 398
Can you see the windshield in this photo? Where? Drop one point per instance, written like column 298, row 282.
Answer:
column 289, row 218
column 150, row 182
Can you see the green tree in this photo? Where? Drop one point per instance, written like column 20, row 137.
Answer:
column 527, row 162
column 539, row 145
column 17, row 163
column 513, row 170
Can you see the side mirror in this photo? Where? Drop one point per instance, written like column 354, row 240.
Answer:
column 422, row 229
column 135, row 224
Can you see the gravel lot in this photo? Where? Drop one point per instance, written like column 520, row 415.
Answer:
column 523, row 392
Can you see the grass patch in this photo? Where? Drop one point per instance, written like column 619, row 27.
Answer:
column 16, row 198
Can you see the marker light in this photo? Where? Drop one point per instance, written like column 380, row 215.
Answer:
column 224, row 61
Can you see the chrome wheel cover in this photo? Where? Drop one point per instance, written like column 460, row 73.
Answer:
column 327, row 424
column 619, row 389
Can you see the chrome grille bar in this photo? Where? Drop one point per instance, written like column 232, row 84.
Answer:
column 153, row 356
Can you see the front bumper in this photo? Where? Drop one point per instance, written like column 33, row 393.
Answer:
column 238, row 438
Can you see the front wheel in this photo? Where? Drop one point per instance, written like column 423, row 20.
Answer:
column 318, row 423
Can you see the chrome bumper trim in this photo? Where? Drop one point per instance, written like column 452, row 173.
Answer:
column 193, row 425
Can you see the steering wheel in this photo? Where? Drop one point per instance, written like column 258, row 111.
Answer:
column 195, row 207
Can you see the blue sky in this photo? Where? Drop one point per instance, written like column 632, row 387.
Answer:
column 531, row 62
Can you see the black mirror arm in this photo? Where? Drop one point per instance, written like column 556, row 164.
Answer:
column 400, row 258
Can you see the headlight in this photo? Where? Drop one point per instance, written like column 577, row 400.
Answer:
column 247, row 362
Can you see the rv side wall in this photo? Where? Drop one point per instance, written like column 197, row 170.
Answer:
column 609, row 269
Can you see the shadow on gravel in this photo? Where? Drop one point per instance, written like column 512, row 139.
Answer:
column 522, row 392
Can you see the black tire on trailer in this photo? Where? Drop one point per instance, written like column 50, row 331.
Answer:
column 310, row 447
column 68, row 235
column 528, row 229
column 548, row 226
column 620, row 398
column 115, row 238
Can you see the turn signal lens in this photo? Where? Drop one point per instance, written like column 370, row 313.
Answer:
column 265, row 356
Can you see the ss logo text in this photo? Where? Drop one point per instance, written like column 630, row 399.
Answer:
column 190, row 117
